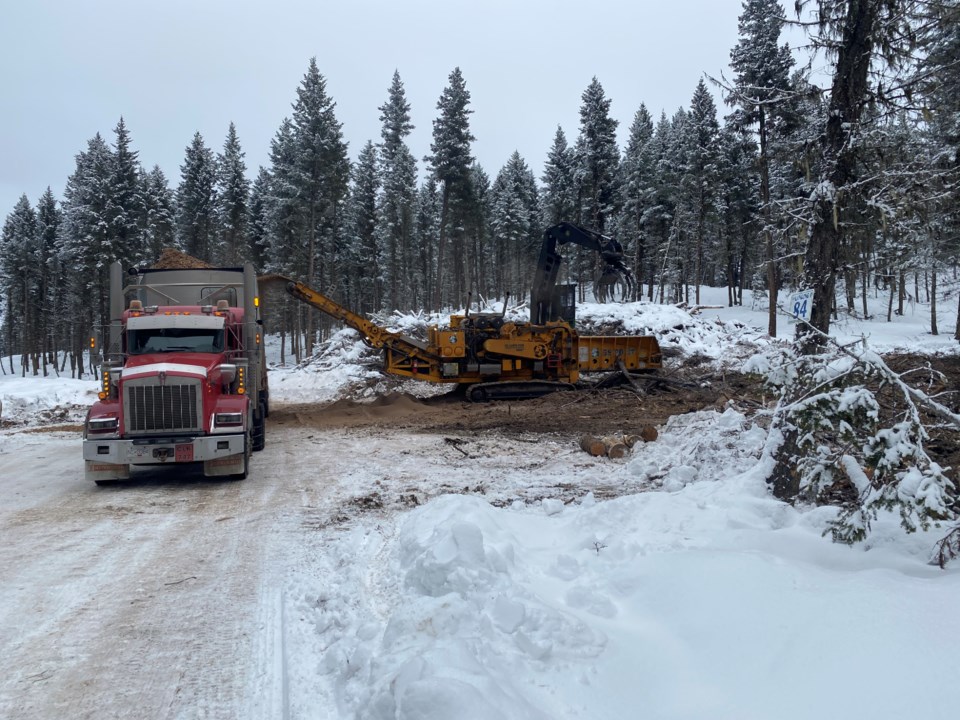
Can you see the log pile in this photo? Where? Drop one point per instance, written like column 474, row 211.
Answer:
column 616, row 446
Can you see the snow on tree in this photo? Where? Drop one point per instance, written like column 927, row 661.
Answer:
column 515, row 222
column 702, row 175
column 395, row 220
column 761, row 67
column 320, row 176
column 197, row 201
column 596, row 176
column 258, row 218
column 158, row 205
column 232, row 193
column 450, row 162
column 19, row 280
column 636, row 189
column 358, row 255
column 559, row 194
column 86, row 248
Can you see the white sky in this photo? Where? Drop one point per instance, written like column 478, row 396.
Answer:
column 72, row 69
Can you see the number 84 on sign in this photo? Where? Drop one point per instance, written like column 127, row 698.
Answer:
column 800, row 305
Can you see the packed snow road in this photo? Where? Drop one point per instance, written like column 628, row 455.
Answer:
column 145, row 600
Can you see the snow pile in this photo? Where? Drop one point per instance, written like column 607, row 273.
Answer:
column 339, row 364
column 44, row 400
column 696, row 446
column 709, row 600
column 679, row 331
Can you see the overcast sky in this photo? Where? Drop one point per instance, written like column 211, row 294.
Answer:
column 72, row 68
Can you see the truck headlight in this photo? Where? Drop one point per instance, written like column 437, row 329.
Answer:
column 103, row 425
column 228, row 419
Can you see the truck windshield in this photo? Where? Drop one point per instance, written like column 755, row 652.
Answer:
column 158, row 340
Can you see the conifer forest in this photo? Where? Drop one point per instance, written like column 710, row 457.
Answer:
column 835, row 166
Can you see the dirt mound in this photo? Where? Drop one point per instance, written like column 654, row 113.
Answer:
column 173, row 259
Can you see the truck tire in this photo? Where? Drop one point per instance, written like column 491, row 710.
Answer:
column 259, row 435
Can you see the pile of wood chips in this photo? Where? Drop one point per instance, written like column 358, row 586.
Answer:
column 616, row 446
column 173, row 259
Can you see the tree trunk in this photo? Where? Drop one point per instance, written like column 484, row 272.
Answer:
column 847, row 98
column 933, row 302
column 956, row 332
column 772, row 289
column 441, row 247
column 890, row 300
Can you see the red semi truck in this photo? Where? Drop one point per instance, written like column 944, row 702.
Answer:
column 183, row 374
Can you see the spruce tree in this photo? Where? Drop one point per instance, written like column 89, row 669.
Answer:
column 429, row 211
column 559, row 193
column 636, row 175
column 287, row 252
column 124, row 211
column 395, row 219
column 738, row 202
column 321, row 172
column 515, row 218
column 158, row 223
column 50, row 307
column 450, row 162
column 597, row 160
column 359, row 261
column 939, row 87
column 658, row 218
column 479, row 233
column 761, row 69
column 258, row 220
column 701, row 174
column 232, row 193
column 19, row 283
column 86, row 248
column 597, row 169
column 674, row 199
column 197, row 202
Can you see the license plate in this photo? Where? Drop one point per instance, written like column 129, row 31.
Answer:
column 184, row 452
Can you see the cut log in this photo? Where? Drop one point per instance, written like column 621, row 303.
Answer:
column 648, row 433
column 593, row 445
column 615, row 447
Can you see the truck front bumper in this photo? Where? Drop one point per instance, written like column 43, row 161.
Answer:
column 111, row 459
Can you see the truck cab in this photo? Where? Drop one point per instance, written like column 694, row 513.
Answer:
column 183, row 374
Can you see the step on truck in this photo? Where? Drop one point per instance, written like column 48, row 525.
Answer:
column 183, row 373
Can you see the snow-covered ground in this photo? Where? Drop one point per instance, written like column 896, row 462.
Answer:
column 699, row 597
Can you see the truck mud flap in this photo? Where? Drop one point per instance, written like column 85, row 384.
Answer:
column 231, row 465
column 101, row 471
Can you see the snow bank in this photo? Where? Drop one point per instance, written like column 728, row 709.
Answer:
column 705, row 598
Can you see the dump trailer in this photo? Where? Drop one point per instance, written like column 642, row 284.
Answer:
column 500, row 359
column 183, row 373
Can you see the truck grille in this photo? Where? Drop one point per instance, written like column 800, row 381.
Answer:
column 170, row 407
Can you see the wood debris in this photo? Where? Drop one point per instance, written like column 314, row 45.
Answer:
column 173, row 259
column 616, row 446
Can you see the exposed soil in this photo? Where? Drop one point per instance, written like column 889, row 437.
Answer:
column 611, row 411
column 584, row 411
